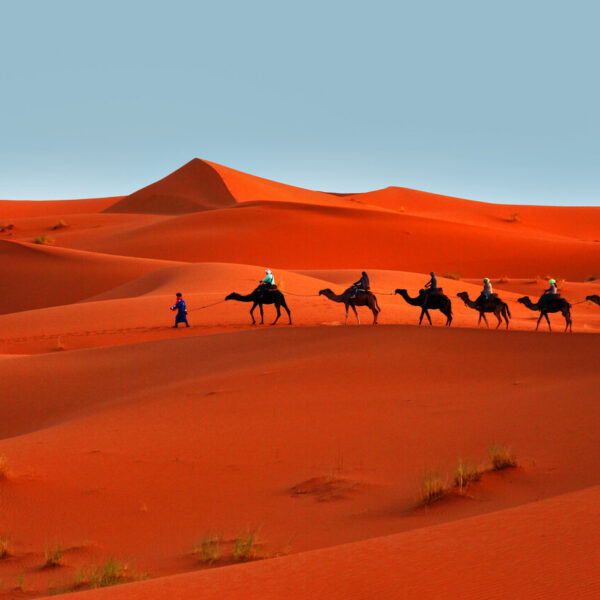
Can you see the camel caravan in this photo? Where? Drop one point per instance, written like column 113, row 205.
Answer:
column 431, row 297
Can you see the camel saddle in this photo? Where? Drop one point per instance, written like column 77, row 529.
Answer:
column 433, row 291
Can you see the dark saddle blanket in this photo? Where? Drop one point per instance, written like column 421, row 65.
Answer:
column 433, row 291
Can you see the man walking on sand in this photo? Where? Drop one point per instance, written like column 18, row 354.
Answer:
column 180, row 307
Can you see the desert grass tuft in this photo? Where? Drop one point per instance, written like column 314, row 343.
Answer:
column 208, row 548
column 111, row 572
column 43, row 240
column 452, row 275
column 60, row 225
column 501, row 457
column 504, row 279
column 53, row 556
column 590, row 278
column 465, row 474
column 59, row 344
column 4, row 548
column 6, row 227
column 433, row 488
column 244, row 546
column 514, row 218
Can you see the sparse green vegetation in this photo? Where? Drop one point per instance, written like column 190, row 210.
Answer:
column 465, row 474
column 43, row 240
column 433, row 488
column 501, row 457
column 208, row 548
column 53, row 556
column 244, row 546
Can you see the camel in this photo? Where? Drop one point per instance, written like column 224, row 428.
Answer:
column 361, row 299
column 594, row 298
column 436, row 301
column 554, row 304
column 259, row 298
column 493, row 305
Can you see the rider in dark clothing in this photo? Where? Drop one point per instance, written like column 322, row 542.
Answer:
column 362, row 284
column 180, row 307
column 432, row 283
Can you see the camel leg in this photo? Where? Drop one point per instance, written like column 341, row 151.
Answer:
column 252, row 313
column 568, row 322
column 288, row 312
column 485, row 319
column 479, row 320
column 262, row 314
column 427, row 315
column 278, row 314
column 354, row 309
column 538, row 323
column 421, row 317
column 499, row 319
column 346, row 319
column 548, row 321
column 505, row 317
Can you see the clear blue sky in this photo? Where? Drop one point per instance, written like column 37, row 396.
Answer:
column 495, row 101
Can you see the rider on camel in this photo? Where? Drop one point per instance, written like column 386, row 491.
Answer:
column 267, row 283
column 362, row 284
column 486, row 293
column 547, row 295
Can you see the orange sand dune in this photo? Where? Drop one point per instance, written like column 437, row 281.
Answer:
column 127, row 438
column 12, row 209
column 493, row 557
column 300, row 236
column 40, row 276
column 213, row 432
column 195, row 186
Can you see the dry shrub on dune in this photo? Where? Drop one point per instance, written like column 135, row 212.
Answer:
column 4, row 548
column 208, row 548
column 503, row 279
column 244, row 546
column 501, row 457
column 466, row 474
column 433, row 487
column 53, row 556
column 514, row 218
column 59, row 225
column 43, row 240
column 3, row 467
column 590, row 278
column 452, row 275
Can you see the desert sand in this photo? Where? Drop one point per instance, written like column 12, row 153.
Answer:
column 125, row 438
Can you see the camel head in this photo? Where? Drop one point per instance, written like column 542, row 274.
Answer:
column 524, row 300
column 463, row 296
column 400, row 291
column 593, row 298
column 231, row 296
column 325, row 292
